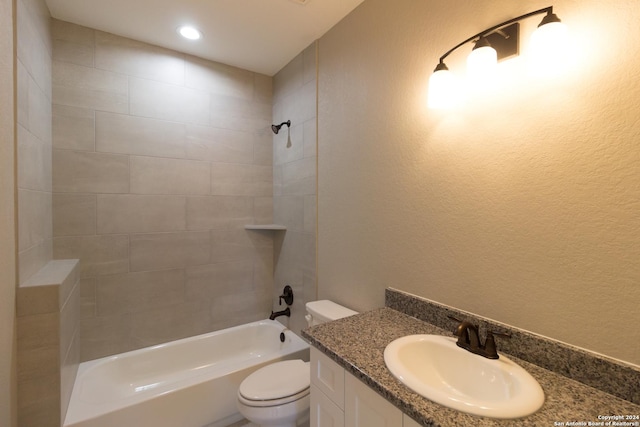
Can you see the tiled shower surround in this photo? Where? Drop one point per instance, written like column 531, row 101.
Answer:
column 159, row 160
column 294, row 192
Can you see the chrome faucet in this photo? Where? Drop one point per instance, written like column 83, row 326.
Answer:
column 469, row 339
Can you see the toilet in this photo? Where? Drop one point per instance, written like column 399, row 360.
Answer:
column 277, row 395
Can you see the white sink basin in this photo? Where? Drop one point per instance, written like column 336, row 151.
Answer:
column 436, row 368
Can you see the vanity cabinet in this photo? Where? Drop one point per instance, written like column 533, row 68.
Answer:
column 338, row 399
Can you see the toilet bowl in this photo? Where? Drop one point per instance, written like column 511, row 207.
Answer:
column 277, row 395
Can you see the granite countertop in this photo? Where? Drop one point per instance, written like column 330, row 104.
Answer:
column 357, row 343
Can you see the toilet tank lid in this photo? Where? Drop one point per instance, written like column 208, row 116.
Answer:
column 328, row 310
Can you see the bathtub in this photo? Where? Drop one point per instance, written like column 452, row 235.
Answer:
column 191, row 382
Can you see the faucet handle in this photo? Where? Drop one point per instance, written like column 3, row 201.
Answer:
column 490, row 350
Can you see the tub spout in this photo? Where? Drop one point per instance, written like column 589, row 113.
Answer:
column 285, row 312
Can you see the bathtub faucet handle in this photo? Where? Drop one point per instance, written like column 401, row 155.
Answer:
column 287, row 296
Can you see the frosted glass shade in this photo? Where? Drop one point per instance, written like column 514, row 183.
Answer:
column 443, row 90
column 549, row 49
column 482, row 62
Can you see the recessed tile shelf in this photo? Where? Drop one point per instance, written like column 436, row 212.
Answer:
column 271, row 227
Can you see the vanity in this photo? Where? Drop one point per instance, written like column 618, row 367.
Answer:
column 352, row 386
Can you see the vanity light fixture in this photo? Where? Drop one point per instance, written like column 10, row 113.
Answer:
column 496, row 43
column 189, row 32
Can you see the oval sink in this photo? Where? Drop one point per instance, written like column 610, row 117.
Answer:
column 436, row 368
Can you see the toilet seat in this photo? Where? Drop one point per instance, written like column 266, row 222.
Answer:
column 276, row 384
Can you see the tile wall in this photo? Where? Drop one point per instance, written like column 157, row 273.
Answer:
column 159, row 160
column 34, row 137
column 294, row 172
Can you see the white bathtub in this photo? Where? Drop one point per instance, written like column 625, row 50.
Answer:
column 186, row 383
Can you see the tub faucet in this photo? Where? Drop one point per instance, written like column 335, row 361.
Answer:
column 469, row 339
column 285, row 312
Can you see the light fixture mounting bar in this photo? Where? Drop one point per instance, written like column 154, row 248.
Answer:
column 491, row 30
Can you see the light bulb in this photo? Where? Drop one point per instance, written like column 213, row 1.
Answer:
column 482, row 62
column 444, row 90
column 549, row 49
column 189, row 32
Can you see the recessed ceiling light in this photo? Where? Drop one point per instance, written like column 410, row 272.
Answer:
column 189, row 32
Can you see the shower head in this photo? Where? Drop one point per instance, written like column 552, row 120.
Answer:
column 276, row 128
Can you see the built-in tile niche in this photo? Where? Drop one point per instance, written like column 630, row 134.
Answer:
column 48, row 311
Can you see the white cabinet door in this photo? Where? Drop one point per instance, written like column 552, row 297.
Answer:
column 366, row 408
column 324, row 413
column 327, row 376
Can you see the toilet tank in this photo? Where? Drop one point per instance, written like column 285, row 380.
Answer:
column 325, row 311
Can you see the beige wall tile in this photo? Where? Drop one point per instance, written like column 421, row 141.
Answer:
column 38, row 405
column 87, row 298
column 219, row 145
column 66, row 31
column 168, row 102
column 263, row 148
column 36, row 300
column 289, row 211
column 237, row 244
column 310, row 213
column 239, row 114
column 138, row 214
column 283, row 152
column 22, row 94
column 73, row 128
column 39, row 331
column 213, row 280
column 74, row 53
column 136, row 292
column 104, row 336
column 39, row 112
column 157, row 251
column 126, row 56
column 82, row 172
column 33, row 46
column 299, row 169
column 309, row 136
column 263, row 210
column 69, row 322
column 289, row 79
column 151, row 175
column 73, row 43
column 117, row 133
column 33, row 259
column 218, row 212
column 68, row 374
column 239, row 308
column 241, row 180
column 74, row 214
column 263, row 88
column 219, row 78
column 34, row 218
column 38, row 362
column 169, row 323
column 86, row 87
column 34, row 162
column 98, row 255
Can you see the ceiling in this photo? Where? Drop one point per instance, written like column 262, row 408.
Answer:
column 256, row 35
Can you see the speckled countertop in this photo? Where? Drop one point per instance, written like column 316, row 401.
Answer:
column 357, row 343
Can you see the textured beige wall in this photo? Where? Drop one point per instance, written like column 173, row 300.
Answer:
column 294, row 187
column 159, row 161
column 523, row 206
column 8, row 394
